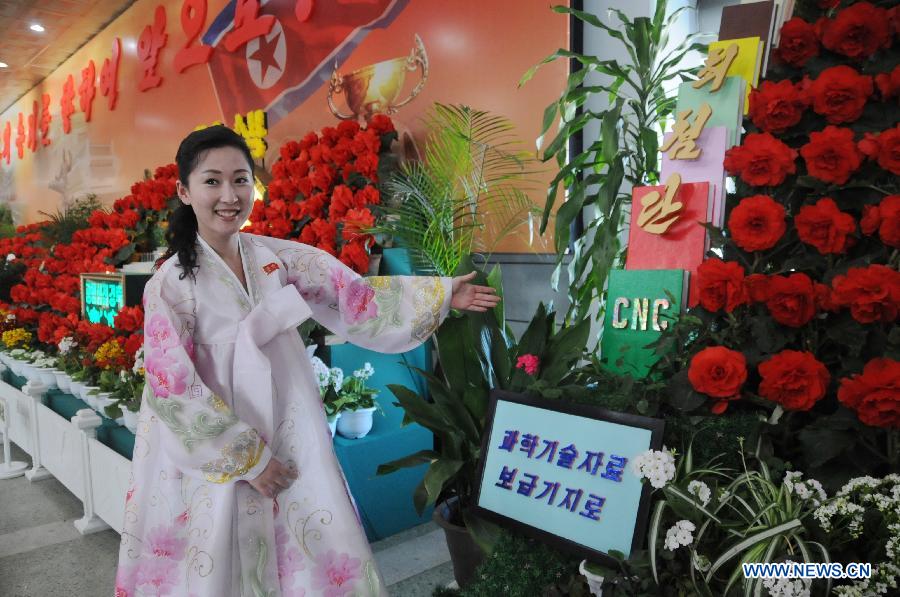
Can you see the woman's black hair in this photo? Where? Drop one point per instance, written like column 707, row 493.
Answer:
column 181, row 234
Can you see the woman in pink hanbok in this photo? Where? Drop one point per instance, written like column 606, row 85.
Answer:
column 236, row 490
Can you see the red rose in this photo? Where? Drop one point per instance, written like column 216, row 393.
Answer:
column 825, row 299
column 795, row 380
column 320, row 233
column 889, row 227
column 355, row 256
column 342, row 200
column 791, row 299
column 840, row 94
column 381, row 124
column 761, row 160
column 885, row 148
column 872, row 293
column 871, row 220
column 356, row 221
column 757, row 286
column 858, row 31
column 799, row 42
column 129, row 319
column 824, row 226
column 874, row 395
column 719, row 285
column 889, row 83
column 757, row 223
column 831, row 155
column 776, row 107
column 718, row 372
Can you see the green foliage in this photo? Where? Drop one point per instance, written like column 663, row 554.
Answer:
column 64, row 223
column 521, row 566
column 7, row 226
column 473, row 166
column 626, row 152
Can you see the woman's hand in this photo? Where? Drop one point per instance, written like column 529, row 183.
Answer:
column 470, row 297
column 274, row 479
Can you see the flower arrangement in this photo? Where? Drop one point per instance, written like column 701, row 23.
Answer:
column 16, row 338
column 355, row 394
column 324, row 188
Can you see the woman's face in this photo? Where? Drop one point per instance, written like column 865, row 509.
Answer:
column 220, row 189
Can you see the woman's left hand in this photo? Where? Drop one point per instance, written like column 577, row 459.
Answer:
column 470, row 297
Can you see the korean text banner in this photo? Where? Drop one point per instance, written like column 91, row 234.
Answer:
column 562, row 472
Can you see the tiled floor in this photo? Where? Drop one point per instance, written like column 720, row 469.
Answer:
column 42, row 555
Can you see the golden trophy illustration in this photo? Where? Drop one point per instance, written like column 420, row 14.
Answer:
column 374, row 89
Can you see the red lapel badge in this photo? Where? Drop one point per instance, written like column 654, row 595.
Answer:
column 271, row 267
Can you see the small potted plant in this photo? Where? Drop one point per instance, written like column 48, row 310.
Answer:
column 66, row 363
column 357, row 403
column 329, row 382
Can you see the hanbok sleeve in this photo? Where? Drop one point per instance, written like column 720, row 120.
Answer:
column 200, row 433
column 390, row 314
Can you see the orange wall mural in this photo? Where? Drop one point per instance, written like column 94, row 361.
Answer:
column 122, row 102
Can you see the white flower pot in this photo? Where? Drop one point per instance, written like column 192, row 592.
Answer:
column 595, row 581
column 30, row 372
column 47, row 376
column 332, row 423
column 101, row 401
column 16, row 366
column 4, row 358
column 75, row 387
column 355, row 424
column 63, row 381
column 86, row 395
column 130, row 419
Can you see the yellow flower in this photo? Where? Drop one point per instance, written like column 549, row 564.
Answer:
column 109, row 353
column 19, row 337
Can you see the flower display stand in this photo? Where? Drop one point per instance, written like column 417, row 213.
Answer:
column 66, row 447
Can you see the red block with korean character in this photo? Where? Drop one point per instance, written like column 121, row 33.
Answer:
column 32, row 126
column 109, row 75
column 67, row 104
column 87, row 89
column 7, row 142
column 278, row 71
column 193, row 18
column 45, row 119
column 153, row 39
column 20, row 137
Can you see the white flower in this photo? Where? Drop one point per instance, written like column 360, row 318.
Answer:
column 66, row 344
column 364, row 373
column 700, row 490
column 658, row 467
column 123, row 377
column 320, row 370
column 138, row 360
column 680, row 534
column 787, row 587
column 10, row 317
column 337, row 378
column 10, row 257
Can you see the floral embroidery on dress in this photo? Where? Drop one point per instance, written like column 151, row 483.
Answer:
column 428, row 297
column 238, row 457
column 335, row 574
column 166, row 375
column 160, row 334
column 357, row 302
column 290, row 561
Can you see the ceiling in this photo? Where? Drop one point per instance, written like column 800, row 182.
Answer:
column 32, row 56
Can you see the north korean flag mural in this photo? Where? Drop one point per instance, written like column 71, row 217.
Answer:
column 279, row 70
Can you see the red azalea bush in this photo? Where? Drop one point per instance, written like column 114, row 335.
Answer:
column 757, row 223
column 824, row 226
column 874, row 394
column 761, row 160
column 831, row 155
column 794, row 379
column 791, row 300
column 324, row 189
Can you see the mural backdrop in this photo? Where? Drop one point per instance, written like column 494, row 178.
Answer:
column 123, row 101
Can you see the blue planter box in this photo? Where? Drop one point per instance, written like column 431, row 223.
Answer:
column 385, row 502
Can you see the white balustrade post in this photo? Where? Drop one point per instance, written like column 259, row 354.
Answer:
column 35, row 390
column 8, row 468
column 87, row 421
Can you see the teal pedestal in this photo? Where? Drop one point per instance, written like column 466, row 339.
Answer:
column 385, row 502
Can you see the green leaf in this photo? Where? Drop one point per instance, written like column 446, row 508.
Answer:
column 437, row 475
column 485, row 533
column 410, row 461
column 653, row 535
column 750, row 541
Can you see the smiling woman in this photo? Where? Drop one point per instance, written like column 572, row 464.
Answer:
column 236, row 488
